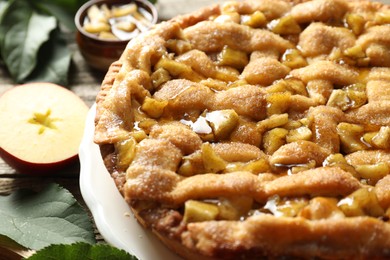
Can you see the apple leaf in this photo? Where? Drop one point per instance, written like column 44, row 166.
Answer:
column 3, row 6
column 54, row 60
column 82, row 251
column 38, row 219
column 66, row 18
column 70, row 6
column 63, row 10
column 24, row 31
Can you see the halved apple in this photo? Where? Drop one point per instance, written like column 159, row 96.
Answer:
column 41, row 127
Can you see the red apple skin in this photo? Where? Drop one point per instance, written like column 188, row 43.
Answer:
column 40, row 168
column 25, row 167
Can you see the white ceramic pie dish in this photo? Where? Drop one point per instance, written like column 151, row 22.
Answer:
column 112, row 215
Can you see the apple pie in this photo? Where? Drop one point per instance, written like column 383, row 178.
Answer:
column 256, row 129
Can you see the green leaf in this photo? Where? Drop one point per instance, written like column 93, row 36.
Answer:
column 66, row 5
column 64, row 17
column 81, row 251
column 3, row 6
column 23, row 32
column 53, row 61
column 38, row 219
column 63, row 10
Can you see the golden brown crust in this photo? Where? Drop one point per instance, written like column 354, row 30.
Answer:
column 315, row 163
column 267, row 235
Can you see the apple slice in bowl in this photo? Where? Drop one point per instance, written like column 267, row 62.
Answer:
column 41, row 127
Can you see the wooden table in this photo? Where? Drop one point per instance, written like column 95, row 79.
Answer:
column 85, row 82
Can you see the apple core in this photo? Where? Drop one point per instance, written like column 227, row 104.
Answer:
column 43, row 120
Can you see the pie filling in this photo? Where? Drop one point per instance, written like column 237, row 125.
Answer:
column 256, row 108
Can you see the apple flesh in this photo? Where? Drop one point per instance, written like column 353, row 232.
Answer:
column 41, row 127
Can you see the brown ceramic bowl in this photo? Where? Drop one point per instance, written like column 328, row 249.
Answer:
column 100, row 53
